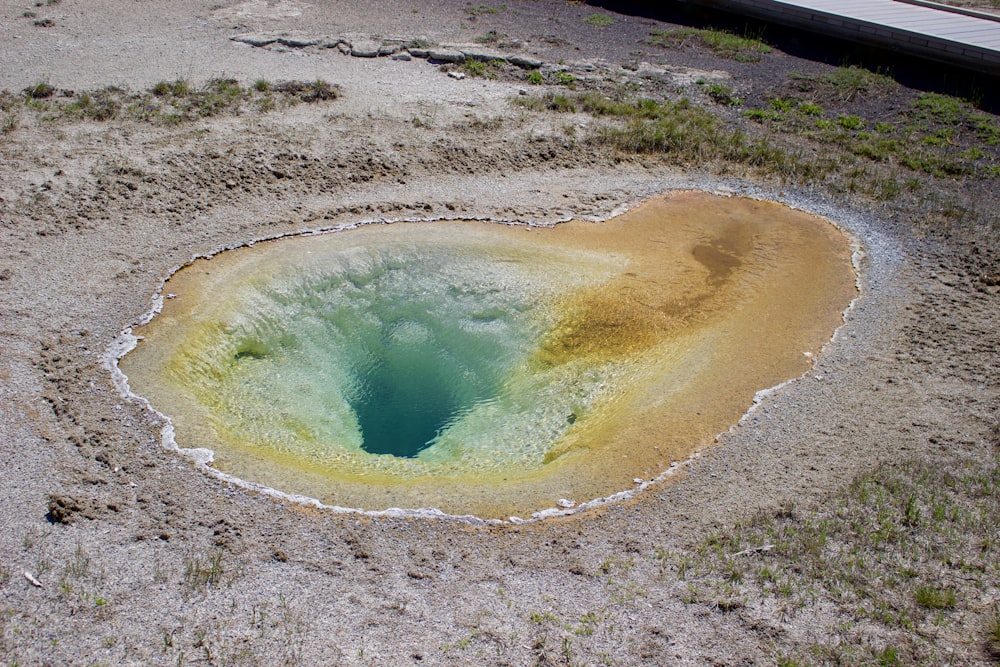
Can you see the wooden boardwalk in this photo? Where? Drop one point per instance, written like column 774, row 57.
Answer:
column 926, row 29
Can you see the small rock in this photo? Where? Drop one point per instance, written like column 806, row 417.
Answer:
column 299, row 42
column 483, row 55
column 525, row 62
column 456, row 75
column 365, row 48
column 637, row 480
column 419, row 53
column 402, row 56
column 562, row 502
column 445, row 56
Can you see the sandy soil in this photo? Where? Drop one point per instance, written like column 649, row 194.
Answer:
column 140, row 558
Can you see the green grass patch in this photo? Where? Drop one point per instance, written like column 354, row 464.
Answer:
column 935, row 598
column 728, row 45
column 811, row 109
column 479, row 10
column 871, row 551
column 564, row 78
column 850, row 122
column 938, row 135
column 600, row 20
column 941, row 108
column 843, row 84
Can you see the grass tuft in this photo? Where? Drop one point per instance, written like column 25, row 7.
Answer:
column 993, row 634
column 935, row 598
column 201, row 573
column 39, row 91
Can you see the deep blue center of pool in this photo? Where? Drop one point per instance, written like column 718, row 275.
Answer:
column 418, row 377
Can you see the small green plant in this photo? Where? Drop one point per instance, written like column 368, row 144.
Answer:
column 477, row 68
column 180, row 88
column 43, row 23
column 564, row 78
column 888, row 657
column 542, row 617
column 850, row 122
column 534, row 77
column 811, row 109
column 783, row 105
column 600, row 20
column 9, row 124
column 935, row 598
column 721, row 94
column 39, row 91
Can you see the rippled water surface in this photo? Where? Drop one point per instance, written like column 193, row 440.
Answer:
column 484, row 368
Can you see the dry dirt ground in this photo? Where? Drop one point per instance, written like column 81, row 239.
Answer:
column 852, row 518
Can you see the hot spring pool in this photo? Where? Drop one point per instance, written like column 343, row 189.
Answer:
column 488, row 369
